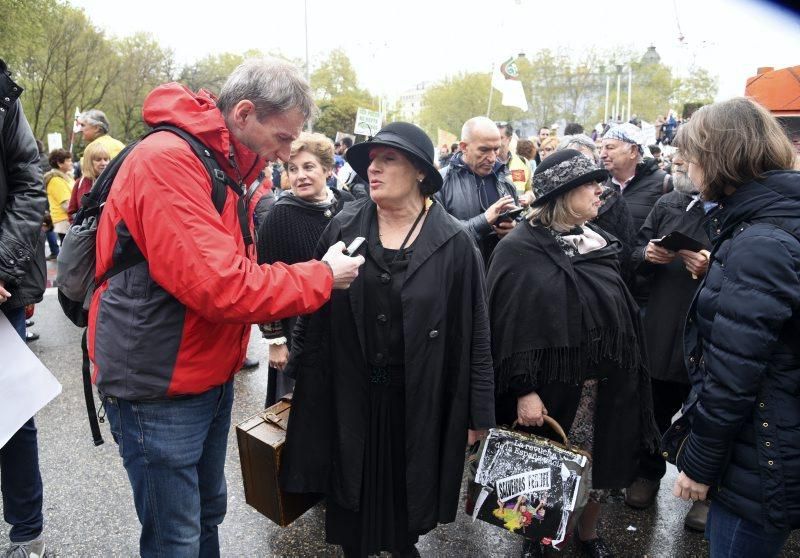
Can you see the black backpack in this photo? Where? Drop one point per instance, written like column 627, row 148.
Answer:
column 76, row 260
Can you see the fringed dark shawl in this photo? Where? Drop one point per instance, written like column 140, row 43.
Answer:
column 557, row 319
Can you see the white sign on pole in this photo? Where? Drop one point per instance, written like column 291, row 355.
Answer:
column 54, row 142
column 368, row 122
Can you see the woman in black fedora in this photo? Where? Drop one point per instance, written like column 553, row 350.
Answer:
column 566, row 334
column 394, row 375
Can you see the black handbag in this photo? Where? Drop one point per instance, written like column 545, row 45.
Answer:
column 528, row 485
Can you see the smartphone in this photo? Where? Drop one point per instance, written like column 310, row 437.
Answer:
column 354, row 246
column 509, row 215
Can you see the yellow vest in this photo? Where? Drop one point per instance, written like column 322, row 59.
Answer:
column 519, row 172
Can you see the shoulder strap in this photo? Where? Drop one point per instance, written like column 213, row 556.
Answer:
column 667, row 187
column 219, row 180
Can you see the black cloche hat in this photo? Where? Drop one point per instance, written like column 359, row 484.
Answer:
column 405, row 137
column 563, row 171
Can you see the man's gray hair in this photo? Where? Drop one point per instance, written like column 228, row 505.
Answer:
column 96, row 117
column 272, row 85
column 477, row 122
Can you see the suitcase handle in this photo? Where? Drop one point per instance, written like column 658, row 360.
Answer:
column 275, row 419
column 552, row 423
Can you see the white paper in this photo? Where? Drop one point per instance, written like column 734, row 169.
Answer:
column 25, row 384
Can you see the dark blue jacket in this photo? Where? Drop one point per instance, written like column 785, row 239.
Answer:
column 742, row 346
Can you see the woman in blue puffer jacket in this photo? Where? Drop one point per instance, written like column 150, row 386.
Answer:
column 742, row 339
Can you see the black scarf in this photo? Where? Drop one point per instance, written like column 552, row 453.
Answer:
column 557, row 318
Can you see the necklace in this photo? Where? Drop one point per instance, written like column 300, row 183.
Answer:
column 402, row 250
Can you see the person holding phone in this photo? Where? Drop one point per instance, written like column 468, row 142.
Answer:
column 395, row 376
column 476, row 189
column 290, row 232
column 573, row 348
column 673, row 278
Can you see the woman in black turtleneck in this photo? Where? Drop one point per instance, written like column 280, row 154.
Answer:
column 290, row 232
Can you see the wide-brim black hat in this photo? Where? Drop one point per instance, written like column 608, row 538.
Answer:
column 563, row 171
column 405, row 137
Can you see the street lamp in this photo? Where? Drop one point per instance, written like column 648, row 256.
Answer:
column 619, row 78
column 608, row 84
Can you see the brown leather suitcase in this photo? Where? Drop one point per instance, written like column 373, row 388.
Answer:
column 261, row 439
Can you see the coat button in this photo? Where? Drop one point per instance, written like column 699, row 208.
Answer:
column 770, row 462
column 382, row 318
column 768, row 444
column 665, row 454
column 765, row 424
column 691, row 359
column 384, row 278
column 761, row 405
column 433, row 334
column 379, row 357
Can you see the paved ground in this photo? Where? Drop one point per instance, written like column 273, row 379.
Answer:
column 89, row 509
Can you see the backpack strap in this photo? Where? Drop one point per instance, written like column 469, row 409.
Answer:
column 220, row 181
column 88, row 395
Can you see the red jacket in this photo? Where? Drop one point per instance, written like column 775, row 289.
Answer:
column 179, row 323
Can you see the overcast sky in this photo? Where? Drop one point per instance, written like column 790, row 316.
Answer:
column 395, row 45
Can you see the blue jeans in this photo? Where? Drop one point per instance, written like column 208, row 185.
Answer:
column 174, row 453
column 19, row 470
column 732, row 536
column 52, row 241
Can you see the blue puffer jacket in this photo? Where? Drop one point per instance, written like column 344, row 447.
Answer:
column 742, row 346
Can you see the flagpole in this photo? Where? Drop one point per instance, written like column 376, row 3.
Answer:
column 491, row 91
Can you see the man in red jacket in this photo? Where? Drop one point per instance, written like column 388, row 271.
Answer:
column 167, row 335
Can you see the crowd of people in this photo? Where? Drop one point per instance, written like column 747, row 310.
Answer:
column 587, row 278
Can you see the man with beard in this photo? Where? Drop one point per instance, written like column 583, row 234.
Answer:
column 673, row 278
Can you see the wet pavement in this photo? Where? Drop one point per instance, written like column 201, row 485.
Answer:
column 89, row 509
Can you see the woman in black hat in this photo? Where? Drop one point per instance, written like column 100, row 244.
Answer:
column 565, row 334
column 392, row 373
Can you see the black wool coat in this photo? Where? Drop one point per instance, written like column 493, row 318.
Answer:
column 614, row 217
column 670, row 286
column 648, row 184
column 448, row 366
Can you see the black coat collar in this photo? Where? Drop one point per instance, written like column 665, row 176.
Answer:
column 354, row 220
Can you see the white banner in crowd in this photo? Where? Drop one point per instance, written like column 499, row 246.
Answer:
column 368, row 122
column 54, row 142
column 26, row 386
